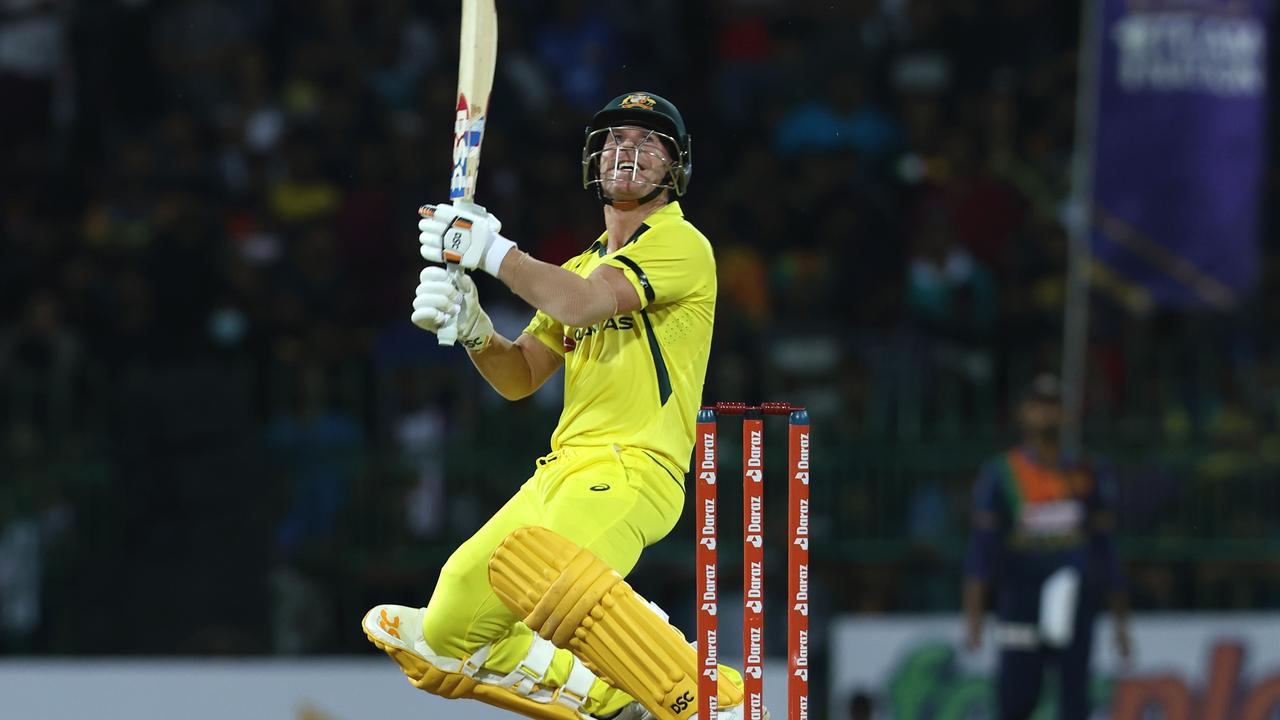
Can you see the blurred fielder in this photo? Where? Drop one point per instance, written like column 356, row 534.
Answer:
column 531, row 614
column 1042, row 534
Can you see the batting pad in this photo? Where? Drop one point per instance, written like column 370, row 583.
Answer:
column 456, row 679
column 570, row 597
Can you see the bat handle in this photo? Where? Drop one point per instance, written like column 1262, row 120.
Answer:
column 448, row 332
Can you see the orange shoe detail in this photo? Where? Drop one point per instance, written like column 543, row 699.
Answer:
column 389, row 626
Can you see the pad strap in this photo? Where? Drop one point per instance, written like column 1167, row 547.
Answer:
column 529, row 677
column 577, row 687
column 535, row 665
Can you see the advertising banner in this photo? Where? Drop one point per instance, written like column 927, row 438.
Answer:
column 1207, row 667
column 1179, row 147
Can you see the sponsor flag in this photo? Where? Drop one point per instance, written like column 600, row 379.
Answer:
column 1179, row 148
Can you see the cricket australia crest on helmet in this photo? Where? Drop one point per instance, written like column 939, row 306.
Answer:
column 640, row 101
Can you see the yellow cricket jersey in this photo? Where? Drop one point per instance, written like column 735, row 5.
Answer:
column 635, row 380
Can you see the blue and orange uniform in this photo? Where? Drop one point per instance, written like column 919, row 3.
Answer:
column 1042, row 538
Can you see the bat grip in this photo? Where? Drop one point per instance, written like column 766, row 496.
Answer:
column 448, row 333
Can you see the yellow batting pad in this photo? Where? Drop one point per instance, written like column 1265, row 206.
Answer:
column 570, row 597
column 453, row 684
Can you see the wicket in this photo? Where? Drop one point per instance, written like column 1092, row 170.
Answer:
column 753, row 558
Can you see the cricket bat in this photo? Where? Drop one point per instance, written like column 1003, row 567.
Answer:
column 477, row 56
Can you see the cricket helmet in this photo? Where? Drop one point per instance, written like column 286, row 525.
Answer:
column 645, row 110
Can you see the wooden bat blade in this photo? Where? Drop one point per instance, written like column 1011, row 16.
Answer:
column 477, row 58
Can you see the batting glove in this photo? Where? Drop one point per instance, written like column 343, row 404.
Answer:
column 463, row 234
column 438, row 300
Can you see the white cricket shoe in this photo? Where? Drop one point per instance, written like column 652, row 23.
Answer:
column 397, row 631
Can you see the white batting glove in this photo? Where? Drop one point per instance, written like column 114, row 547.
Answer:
column 463, row 234
column 438, row 300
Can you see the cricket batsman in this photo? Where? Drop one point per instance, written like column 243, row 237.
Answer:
column 532, row 614
column 1042, row 534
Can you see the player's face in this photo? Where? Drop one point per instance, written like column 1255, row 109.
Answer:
column 633, row 161
column 1041, row 419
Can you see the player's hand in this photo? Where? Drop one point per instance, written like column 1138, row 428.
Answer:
column 438, row 300
column 1124, row 643
column 465, row 234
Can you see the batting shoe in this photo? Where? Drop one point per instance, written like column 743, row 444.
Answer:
column 397, row 631
column 636, row 711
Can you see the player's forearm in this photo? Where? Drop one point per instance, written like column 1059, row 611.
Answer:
column 573, row 301
column 975, row 591
column 1119, row 602
column 504, row 365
